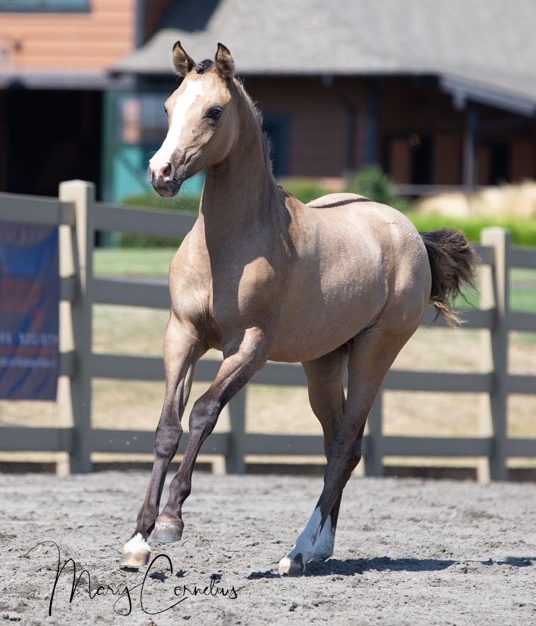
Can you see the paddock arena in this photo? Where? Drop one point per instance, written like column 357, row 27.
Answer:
column 408, row 552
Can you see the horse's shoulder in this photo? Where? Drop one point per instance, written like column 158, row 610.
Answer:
column 336, row 199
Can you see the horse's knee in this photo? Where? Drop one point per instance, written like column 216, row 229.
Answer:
column 167, row 440
column 204, row 415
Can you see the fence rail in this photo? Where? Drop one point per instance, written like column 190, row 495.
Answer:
column 79, row 217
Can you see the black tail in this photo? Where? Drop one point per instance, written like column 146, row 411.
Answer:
column 452, row 261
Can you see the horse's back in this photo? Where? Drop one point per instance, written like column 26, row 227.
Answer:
column 360, row 217
column 336, row 199
column 353, row 220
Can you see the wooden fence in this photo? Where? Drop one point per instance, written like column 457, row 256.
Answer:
column 79, row 217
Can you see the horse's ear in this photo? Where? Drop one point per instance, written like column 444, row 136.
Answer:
column 224, row 61
column 181, row 60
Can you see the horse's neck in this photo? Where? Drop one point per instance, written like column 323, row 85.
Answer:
column 240, row 192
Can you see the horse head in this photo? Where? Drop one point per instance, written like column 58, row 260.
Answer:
column 202, row 120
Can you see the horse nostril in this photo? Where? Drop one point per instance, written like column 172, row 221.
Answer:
column 166, row 170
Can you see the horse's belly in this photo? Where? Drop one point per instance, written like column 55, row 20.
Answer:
column 318, row 325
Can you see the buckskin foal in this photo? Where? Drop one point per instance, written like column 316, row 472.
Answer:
column 338, row 284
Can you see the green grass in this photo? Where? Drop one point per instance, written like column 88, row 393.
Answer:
column 523, row 300
column 522, row 292
column 133, row 261
column 523, row 230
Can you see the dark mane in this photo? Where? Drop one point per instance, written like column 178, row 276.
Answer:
column 258, row 116
column 204, row 66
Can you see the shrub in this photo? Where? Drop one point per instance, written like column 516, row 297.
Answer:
column 523, row 230
column 373, row 183
column 189, row 203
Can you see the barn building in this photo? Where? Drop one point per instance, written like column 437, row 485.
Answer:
column 439, row 94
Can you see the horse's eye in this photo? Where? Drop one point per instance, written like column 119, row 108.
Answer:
column 165, row 110
column 214, row 113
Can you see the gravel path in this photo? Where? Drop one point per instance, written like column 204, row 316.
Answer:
column 408, row 552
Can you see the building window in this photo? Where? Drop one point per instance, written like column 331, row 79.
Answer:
column 44, row 5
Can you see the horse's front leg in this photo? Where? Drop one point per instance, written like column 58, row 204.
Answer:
column 180, row 354
column 242, row 359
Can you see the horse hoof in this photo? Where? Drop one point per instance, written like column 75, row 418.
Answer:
column 292, row 567
column 135, row 553
column 168, row 531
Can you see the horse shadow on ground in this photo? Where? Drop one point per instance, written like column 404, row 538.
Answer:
column 351, row 567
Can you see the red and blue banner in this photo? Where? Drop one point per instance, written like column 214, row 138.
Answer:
column 29, row 311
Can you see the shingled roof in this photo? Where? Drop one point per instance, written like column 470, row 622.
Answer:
column 482, row 50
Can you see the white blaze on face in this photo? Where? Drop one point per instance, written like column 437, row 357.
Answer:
column 193, row 90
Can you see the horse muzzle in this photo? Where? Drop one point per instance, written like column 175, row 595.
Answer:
column 166, row 181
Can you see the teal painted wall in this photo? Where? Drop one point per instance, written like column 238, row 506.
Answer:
column 125, row 163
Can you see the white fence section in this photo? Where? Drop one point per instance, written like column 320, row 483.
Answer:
column 79, row 217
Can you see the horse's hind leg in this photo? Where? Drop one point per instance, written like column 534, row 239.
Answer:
column 371, row 354
column 326, row 395
column 180, row 354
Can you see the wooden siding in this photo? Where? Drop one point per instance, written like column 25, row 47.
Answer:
column 447, row 158
column 68, row 41
column 419, row 108
column 316, row 119
column 523, row 159
column 154, row 12
column 408, row 107
column 316, row 115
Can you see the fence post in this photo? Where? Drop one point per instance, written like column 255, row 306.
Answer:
column 82, row 194
column 234, row 461
column 65, row 414
column 495, row 292
column 373, row 457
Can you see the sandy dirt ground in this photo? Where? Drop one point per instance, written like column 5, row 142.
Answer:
column 408, row 552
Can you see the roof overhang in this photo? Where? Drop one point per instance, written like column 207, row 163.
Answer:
column 464, row 89
column 505, row 92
